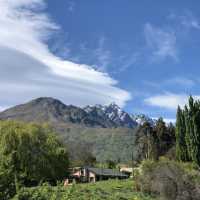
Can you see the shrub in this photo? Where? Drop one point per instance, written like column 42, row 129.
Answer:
column 169, row 180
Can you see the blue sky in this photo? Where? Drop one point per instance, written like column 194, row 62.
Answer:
column 142, row 54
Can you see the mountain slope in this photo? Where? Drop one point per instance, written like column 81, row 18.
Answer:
column 51, row 110
column 43, row 110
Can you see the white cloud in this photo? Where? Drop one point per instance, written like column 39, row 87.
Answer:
column 28, row 69
column 168, row 100
column 170, row 120
column 162, row 42
column 166, row 120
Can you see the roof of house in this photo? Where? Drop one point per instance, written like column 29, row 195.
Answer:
column 107, row 172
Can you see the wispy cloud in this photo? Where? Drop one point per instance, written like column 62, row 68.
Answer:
column 190, row 21
column 178, row 81
column 102, row 54
column 181, row 81
column 103, row 59
column 71, row 6
column 161, row 42
column 127, row 61
column 28, row 69
column 168, row 100
column 187, row 20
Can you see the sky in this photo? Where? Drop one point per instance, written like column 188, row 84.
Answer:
column 142, row 55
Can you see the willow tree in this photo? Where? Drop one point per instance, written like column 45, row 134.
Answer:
column 31, row 153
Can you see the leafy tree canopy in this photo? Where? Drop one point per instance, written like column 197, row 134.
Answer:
column 29, row 154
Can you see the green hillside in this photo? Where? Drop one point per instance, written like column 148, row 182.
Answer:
column 105, row 143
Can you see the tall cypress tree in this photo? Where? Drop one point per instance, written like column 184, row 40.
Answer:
column 188, row 132
column 196, row 133
column 181, row 147
column 191, row 128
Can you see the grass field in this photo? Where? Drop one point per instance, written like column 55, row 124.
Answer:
column 105, row 190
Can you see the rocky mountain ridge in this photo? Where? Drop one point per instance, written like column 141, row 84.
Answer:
column 47, row 109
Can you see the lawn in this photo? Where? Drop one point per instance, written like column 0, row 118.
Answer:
column 105, row 190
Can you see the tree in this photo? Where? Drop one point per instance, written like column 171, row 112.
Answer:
column 192, row 121
column 154, row 140
column 188, row 132
column 31, row 153
column 181, row 147
column 161, row 133
column 111, row 164
column 81, row 154
column 146, row 142
column 165, row 135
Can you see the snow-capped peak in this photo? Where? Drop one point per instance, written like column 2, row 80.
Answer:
column 141, row 119
column 114, row 113
column 119, row 117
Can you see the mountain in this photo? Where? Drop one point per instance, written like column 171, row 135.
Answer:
column 114, row 114
column 43, row 110
column 140, row 119
column 108, row 131
column 51, row 110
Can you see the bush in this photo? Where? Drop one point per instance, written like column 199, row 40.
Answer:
column 169, row 180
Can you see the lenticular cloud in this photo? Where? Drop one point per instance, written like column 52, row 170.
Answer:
column 28, row 69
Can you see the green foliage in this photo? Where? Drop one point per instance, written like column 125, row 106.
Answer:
column 181, row 146
column 188, row 132
column 104, row 143
column 107, row 190
column 29, row 154
column 145, row 142
column 154, row 141
column 7, row 186
column 111, row 164
column 165, row 136
column 168, row 179
column 81, row 154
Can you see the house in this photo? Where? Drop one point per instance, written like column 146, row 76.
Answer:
column 91, row 174
column 127, row 170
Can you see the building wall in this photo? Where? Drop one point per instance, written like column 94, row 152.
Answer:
column 78, row 173
column 92, row 177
